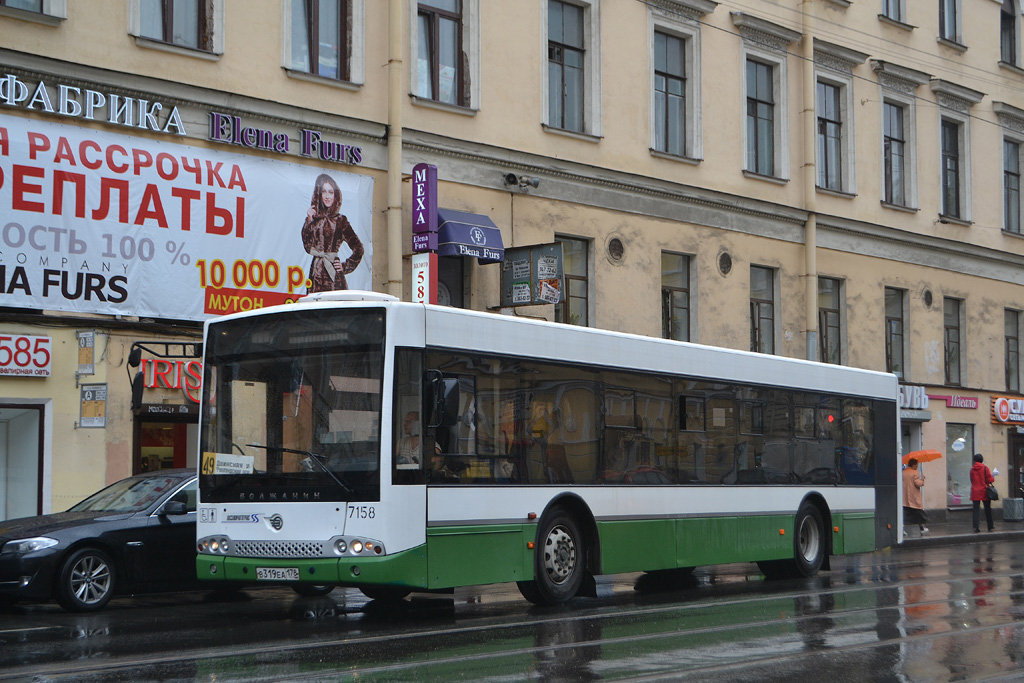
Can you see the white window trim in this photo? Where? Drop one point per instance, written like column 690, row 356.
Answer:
column 898, row 85
column 470, row 45
column 591, row 68
column 689, row 31
column 955, row 103
column 834, row 64
column 216, row 48
column 1011, row 121
column 357, row 46
column 905, row 309
column 765, row 42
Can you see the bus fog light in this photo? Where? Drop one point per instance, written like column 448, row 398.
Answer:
column 213, row 569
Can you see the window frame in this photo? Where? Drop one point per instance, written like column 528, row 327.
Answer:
column 894, row 10
column 591, row 98
column 951, row 185
column 767, row 43
column 1011, row 349
column 758, row 307
column 1013, row 26
column 833, row 68
column 888, row 174
column 955, row 102
column 354, row 46
column 563, row 309
column 953, row 361
column 214, row 27
column 950, row 28
column 831, row 322
column 890, row 358
column 53, row 13
column 1012, row 206
column 898, row 86
column 668, row 293
column 687, row 30
column 469, row 51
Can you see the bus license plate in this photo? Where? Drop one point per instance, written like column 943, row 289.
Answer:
column 277, row 573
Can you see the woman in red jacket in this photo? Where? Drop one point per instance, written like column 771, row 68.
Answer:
column 981, row 477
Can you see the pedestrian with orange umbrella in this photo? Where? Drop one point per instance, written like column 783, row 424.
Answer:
column 913, row 505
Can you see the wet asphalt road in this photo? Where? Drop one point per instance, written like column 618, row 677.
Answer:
column 914, row 614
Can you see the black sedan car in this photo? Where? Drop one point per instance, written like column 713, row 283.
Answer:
column 135, row 536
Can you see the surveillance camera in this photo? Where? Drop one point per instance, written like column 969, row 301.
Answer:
column 511, row 179
column 532, row 182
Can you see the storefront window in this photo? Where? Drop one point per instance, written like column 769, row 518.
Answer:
column 959, row 454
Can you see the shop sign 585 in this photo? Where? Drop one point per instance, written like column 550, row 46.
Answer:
column 23, row 355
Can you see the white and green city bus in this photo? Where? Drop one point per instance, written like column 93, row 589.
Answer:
column 352, row 439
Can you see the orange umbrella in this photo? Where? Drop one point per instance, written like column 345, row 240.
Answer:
column 921, row 456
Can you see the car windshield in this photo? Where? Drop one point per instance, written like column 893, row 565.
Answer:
column 128, row 495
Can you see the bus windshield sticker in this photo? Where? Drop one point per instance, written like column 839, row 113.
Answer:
column 227, row 463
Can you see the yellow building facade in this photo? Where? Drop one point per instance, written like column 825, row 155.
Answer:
column 827, row 179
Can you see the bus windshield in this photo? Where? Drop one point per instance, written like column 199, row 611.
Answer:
column 292, row 407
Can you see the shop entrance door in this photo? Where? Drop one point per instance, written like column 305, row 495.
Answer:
column 1016, row 462
column 21, row 461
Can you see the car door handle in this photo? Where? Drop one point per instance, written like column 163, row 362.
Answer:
column 134, row 543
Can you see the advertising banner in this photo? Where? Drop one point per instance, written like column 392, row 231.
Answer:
column 100, row 222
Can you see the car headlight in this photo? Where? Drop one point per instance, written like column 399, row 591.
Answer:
column 28, row 545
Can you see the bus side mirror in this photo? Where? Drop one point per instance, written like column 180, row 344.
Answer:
column 444, row 400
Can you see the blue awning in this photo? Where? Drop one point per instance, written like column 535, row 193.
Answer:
column 468, row 234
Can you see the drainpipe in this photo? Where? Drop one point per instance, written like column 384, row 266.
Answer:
column 394, row 210
column 809, row 181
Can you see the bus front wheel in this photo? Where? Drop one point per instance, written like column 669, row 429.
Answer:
column 559, row 560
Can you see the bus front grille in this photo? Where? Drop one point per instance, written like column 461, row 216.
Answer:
column 279, row 549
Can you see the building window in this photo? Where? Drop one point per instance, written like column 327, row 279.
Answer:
column 895, row 324
column 49, row 12
column 1011, row 323
column 178, row 25
column 1011, row 186
column 675, row 296
column 949, row 20
column 184, row 23
column 669, row 94
column 762, row 309
column 440, row 57
column 760, row 118
column 575, row 304
column 894, row 153
column 566, row 60
column 950, row 144
column 1008, row 32
column 830, row 137
column 830, row 321
column 952, row 310
column 895, row 10
column 319, row 30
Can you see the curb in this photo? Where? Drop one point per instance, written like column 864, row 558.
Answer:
column 960, row 539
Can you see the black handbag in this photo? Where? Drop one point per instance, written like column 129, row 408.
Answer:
column 991, row 492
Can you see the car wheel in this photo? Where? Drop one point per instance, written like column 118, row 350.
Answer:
column 86, row 580
column 385, row 593
column 312, row 590
column 559, row 562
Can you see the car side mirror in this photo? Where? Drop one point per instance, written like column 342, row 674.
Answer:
column 174, row 507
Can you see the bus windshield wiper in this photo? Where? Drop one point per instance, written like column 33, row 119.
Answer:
column 315, row 457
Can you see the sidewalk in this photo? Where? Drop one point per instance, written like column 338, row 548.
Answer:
column 959, row 530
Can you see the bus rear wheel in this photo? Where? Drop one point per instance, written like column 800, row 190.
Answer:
column 809, row 547
column 559, row 560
